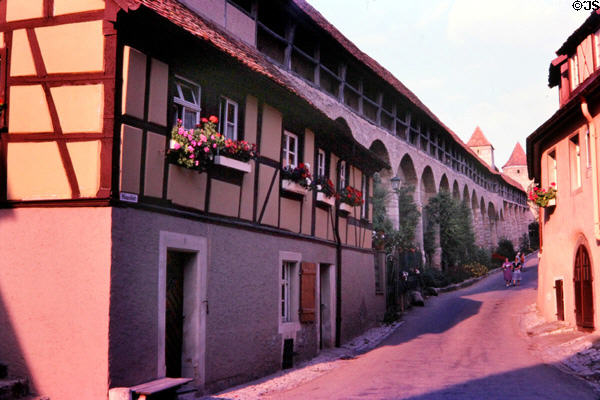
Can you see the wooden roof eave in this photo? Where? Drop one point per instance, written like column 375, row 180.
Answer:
column 589, row 90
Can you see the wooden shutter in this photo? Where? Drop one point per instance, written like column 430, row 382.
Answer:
column 308, row 278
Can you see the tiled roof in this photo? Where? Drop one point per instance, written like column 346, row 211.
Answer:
column 478, row 139
column 517, row 158
column 202, row 28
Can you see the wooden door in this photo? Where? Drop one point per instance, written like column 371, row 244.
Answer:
column 174, row 314
column 560, row 301
column 584, row 299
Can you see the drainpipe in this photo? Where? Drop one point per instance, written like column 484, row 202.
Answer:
column 593, row 138
column 338, row 278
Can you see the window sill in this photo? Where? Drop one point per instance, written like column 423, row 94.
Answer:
column 289, row 327
column 321, row 198
column 293, row 187
column 233, row 164
column 346, row 208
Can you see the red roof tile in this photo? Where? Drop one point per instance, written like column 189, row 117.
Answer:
column 517, row 158
column 478, row 139
column 252, row 58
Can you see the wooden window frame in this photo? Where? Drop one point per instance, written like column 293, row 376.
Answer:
column 223, row 106
column 343, row 169
column 287, row 136
column 574, row 71
column 321, row 162
column 285, row 286
column 179, row 99
column 551, row 170
column 575, row 161
column 364, row 187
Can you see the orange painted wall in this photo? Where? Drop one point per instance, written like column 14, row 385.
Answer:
column 54, row 299
column 40, row 171
column 566, row 226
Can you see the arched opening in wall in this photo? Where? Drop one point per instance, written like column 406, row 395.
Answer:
column 343, row 127
column 444, row 184
column 380, row 151
column 482, row 208
column 427, row 189
column 386, row 175
column 582, row 284
column 474, row 203
column 492, row 218
column 466, row 197
column 407, row 171
column 476, row 217
column 455, row 191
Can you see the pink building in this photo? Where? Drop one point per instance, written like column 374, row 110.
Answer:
column 564, row 151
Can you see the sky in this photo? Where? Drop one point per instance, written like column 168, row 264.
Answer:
column 471, row 62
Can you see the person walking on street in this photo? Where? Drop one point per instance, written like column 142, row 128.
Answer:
column 522, row 261
column 507, row 271
column 516, row 275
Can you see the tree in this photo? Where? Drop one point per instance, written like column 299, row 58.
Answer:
column 404, row 237
column 381, row 221
column 457, row 239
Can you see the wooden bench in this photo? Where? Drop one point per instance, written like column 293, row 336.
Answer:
column 145, row 390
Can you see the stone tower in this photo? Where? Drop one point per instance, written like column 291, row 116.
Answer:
column 516, row 166
column 482, row 147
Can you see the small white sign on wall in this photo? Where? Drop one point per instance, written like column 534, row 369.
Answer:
column 128, row 197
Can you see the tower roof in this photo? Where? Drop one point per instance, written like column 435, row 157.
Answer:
column 478, row 139
column 517, row 158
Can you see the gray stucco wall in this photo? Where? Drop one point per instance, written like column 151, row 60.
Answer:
column 361, row 307
column 242, row 337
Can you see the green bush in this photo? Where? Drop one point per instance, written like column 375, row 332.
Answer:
column 434, row 277
column 481, row 256
column 475, row 269
column 506, row 249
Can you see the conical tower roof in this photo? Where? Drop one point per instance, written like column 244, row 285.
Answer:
column 478, row 139
column 517, row 158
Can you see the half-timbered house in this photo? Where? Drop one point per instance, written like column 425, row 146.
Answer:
column 136, row 247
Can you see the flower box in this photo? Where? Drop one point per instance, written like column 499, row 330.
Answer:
column 293, row 187
column 551, row 203
column 321, row 198
column 347, row 208
column 233, row 164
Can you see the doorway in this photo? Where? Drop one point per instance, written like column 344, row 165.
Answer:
column 174, row 311
column 182, row 307
column 584, row 299
column 560, row 300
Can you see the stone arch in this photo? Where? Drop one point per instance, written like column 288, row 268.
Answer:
column 407, row 171
column 455, row 191
column 444, row 184
column 466, row 198
column 343, row 127
column 474, row 203
column 491, row 211
column 386, row 175
column 482, row 208
column 427, row 191
column 427, row 184
column 378, row 147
